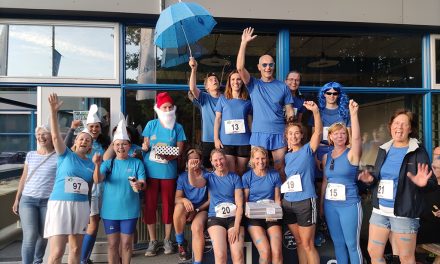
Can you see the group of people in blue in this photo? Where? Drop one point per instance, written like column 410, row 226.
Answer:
column 253, row 120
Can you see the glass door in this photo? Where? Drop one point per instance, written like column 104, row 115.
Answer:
column 76, row 103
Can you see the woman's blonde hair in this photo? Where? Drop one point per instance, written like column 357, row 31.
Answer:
column 254, row 150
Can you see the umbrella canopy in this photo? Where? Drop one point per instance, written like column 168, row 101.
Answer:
column 175, row 56
column 182, row 24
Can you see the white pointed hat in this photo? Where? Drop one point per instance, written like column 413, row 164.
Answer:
column 121, row 131
column 92, row 117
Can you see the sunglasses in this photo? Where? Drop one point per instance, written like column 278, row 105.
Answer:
column 332, row 164
column 271, row 65
column 330, row 93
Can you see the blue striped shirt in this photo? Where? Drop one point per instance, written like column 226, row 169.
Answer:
column 40, row 184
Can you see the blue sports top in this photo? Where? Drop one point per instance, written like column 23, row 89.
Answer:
column 197, row 196
column 221, row 189
column 206, row 103
column 343, row 173
column 301, row 162
column 234, row 109
column 261, row 187
column 268, row 100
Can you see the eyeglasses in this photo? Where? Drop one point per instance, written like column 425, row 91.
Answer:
column 332, row 164
column 330, row 93
column 271, row 65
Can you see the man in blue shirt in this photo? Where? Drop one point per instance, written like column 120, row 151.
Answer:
column 206, row 102
column 269, row 96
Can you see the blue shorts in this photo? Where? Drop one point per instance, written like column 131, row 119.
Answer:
column 400, row 225
column 267, row 141
column 127, row 226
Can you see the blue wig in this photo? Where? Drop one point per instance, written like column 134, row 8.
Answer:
column 342, row 100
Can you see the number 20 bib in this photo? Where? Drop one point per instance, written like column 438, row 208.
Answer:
column 225, row 210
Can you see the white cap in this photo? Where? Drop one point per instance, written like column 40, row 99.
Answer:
column 85, row 130
column 92, row 117
column 121, row 131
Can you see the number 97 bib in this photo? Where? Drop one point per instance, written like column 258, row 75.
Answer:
column 76, row 185
column 225, row 210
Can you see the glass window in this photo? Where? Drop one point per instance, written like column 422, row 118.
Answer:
column 62, row 51
column 436, row 61
column 374, row 114
column 214, row 53
column 358, row 61
column 435, row 120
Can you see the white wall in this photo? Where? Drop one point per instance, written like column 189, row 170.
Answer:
column 410, row 12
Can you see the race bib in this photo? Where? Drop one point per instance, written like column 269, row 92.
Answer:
column 225, row 210
column 234, row 126
column 325, row 133
column 156, row 158
column 335, row 192
column 293, row 184
column 385, row 189
column 76, row 185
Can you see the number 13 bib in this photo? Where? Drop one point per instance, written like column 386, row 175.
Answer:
column 234, row 126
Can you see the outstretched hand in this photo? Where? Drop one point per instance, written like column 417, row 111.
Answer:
column 193, row 164
column 311, row 106
column 97, row 158
column 192, row 63
column 353, row 106
column 54, row 102
column 422, row 176
column 247, row 35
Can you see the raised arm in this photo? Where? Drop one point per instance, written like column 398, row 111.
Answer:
column 57, row 140
column 245, row 39
column 68, row 140
column 354, row 155
column 109, row 153
column 195, row 180
column 317, row 131
column 193, row 78
column 217, row 125
column 97, row 176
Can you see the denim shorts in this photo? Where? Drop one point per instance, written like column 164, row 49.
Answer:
column 400, row 225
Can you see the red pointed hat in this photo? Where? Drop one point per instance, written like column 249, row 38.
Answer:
column 162, row 98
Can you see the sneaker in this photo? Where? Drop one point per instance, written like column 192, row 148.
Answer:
column 183, row 251
column 168, row 247
column 153, row 246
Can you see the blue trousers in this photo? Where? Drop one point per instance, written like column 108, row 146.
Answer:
column 344, row 224
column 32, row 213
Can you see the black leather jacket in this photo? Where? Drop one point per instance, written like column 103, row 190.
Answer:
column 409, row 200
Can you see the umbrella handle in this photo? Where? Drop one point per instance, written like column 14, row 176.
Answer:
column 184, row 34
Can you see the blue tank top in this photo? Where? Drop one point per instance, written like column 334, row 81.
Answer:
column 343, row 173
column 301, row 162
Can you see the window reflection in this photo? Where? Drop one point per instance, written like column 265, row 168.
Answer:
column 57, row 51
column 437, row 61
column 371, row 61
column 435, row 120
column 214, row 53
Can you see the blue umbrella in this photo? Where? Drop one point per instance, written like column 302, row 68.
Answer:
column 182, row 23
column 175, row 56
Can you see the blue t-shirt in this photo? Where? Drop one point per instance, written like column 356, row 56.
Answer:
column 221, row 189
column 133, row 149
column 206, row 103
column 160, row 135
column 197, row 196
column 390, row 171
column 301, row 162
column 96, row 148
column 119, row 201
column 261, row 187
column 343, row 173
column 71, row 165
column 268, row 100
column 234, row 109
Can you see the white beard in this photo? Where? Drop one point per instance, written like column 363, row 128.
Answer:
column 167, row 119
